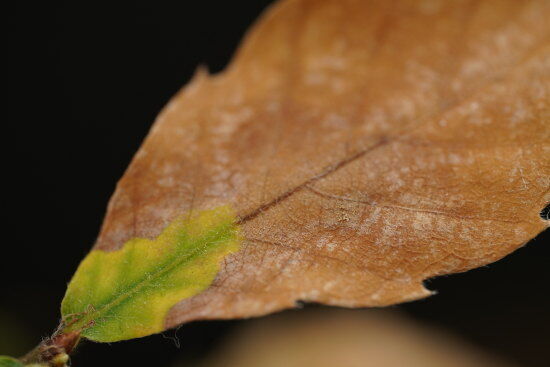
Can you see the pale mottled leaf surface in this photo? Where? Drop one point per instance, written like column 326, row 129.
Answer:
column 363, row 145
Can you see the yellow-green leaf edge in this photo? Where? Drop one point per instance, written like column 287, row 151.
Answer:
column 127, row 293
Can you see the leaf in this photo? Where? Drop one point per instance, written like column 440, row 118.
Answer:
column 363, row 146
column 9, row 362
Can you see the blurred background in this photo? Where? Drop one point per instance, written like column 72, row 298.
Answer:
column 85, row 81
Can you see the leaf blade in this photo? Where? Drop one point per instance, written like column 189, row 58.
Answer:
column 365, row 146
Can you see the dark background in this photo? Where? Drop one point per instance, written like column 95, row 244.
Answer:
column 85, row 82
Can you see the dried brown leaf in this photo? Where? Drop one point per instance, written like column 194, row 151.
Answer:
column 364, row 145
